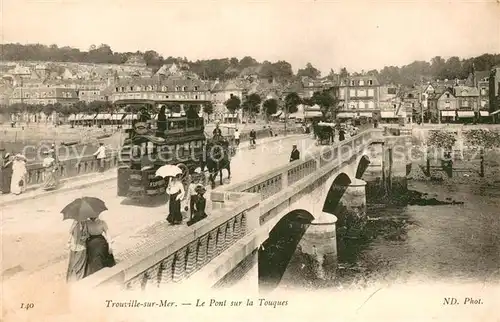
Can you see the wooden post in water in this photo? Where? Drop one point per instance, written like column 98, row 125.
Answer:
column 481, row 169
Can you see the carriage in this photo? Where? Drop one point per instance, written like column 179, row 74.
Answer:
column 324, row 133
column 150, row 144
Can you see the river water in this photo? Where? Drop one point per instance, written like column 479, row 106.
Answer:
column 448, row 243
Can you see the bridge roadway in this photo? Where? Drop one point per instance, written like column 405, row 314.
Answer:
column 34, row 236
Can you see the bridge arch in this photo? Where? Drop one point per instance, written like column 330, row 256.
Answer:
column 335, row 192
column 278, row 249
column 363, row 164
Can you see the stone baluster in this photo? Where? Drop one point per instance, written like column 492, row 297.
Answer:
column 135, row 283
column 220, row 240
column 211, row 248
column 167, row 270
column 229, row 233
column 180, row 265
column 237, row 227
column 201, row 252
column 191, row 258
column 243, row 225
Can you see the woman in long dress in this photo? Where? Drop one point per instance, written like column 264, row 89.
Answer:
column 50, row 181
column 19, row 172
column 175, row 190
column 99, row 252
column 6, row 174
column 77, row 251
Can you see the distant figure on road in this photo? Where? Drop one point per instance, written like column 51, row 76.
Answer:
column 253, row 137
column 5, row 174
column 162, row 121
column 271, row 134
column 50, row 180
column 237, row 137
column 217, row 133
column 100, row 155
column 19, row 172
column 295, row 155
column 341, row 134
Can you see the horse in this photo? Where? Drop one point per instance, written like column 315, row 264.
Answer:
column 217, row 157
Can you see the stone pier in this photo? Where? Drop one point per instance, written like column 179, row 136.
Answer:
column 351, row 210
column 320, row 243
column 374, row 174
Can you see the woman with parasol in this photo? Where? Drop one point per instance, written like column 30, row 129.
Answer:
column 19, row 172
column 89, row 239
column 175, row 190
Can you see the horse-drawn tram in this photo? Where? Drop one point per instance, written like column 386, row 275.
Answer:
column 152, row 142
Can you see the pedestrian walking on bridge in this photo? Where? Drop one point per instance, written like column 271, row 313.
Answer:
column 295, row 155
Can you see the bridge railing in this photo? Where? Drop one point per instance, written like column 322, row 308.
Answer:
column 180, row 253
column 273, row 181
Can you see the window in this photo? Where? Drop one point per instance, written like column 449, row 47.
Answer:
column 116, row 89
column 370, row 82
column 370, row 93
column 361, row 92
column 371, row 105
column 483, row 103
column 361, row 105
column 483, row 91
column 465, row 103
column 164, row 88
column 352, row 93
column 196, row 88
column 361, row 83
column 341, row 93
column 131, row 88
column 447, row 95
column 123, row 89
column 352, row 83
column 196, row 97
column 447, row 104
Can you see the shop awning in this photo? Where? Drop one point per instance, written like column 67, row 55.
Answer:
column 366, row 114
column 312, row 114
column 103, row 117
column 484, row 113
column 495, row 112
column 229, row 115
column 89, row 117
column 465, row 113
column 72, row 117
column 117, row 117
column 277, row 114
column 448, row 113
column 130, row 117
column 388, row 115
column 346, row 115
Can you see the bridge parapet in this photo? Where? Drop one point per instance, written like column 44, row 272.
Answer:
column 176, row 254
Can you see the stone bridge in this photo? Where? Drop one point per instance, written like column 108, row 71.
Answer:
column 326, row 189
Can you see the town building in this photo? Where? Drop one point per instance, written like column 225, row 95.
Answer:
column 443, row 106
column 44, row 96
column 172, row 89
column 494, row 92
column 359, row 97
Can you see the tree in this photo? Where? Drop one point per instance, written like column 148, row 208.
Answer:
column 344, row 73
column 482, row 140
column 270, row 106
column 251, row 104
column 48, row 110
column 292, row 100
column 309, row 71
column 208, row 108
column 233, row 104
column 324, row 100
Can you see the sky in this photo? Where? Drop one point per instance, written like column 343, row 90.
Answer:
column 357, row 34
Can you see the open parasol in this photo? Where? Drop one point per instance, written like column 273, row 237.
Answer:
column 82, row 208
column 168, row 170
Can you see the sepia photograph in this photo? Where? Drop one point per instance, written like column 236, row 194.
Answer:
column 197, row 160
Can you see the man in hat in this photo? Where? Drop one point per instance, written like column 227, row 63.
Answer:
column 100, row 155
column 217, row 132
column 295, row 155
column 5, row 174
